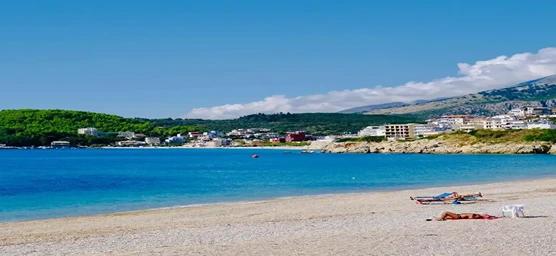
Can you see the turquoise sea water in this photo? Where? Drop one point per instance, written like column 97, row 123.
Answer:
column 38, row 184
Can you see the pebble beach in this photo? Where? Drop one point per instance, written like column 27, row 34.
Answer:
column 370, row 223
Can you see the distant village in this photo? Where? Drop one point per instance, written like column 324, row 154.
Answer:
column 515, row 119
column 521, row 118
column 235, row 138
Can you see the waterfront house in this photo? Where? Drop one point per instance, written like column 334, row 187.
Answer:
column 277, row 139
column 152, row 141
column 178, row 139
column 295, row 136
column 130, row 143
column 60, row 144
column 194, row 135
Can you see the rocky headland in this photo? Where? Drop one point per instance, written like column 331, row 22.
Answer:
column 435, row 146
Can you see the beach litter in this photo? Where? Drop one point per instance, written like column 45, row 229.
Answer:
column 513, row 211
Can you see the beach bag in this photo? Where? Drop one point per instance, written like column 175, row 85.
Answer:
column 513, row 211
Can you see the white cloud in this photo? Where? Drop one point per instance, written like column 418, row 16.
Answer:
column 482, row 75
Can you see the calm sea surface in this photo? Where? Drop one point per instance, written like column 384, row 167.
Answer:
column 38, row 184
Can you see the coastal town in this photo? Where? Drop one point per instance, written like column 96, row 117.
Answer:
column 236, row 138
column 515, row 119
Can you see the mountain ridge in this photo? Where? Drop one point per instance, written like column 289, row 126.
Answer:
column 539, row 92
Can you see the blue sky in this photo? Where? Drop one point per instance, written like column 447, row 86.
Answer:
column 165, row 58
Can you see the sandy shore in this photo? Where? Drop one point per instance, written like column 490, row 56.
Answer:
column 375, row 223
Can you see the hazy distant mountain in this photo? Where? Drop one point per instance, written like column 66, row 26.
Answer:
column 540, row 92
column 368, row 108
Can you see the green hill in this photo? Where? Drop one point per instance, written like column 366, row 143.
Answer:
column 28, row 127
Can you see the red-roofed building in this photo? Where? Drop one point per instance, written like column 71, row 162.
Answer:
column 295, row 136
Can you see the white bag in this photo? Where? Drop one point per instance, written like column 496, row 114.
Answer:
column 513, row 211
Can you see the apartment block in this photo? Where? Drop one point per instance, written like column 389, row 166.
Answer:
column 400, row 131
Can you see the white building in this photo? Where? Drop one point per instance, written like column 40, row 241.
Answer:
column 454, row 122
column 178, row 139
column 237, row 133
column 545, row 124
column 128, row 135
column 60, row 144
column 494, row 124
column 517, row 112
column 153, row 141
column 213, row 134
column 499, row 122
column 89, row 131
column 424, row 130
column 471, row 124
column 372, row 131
column 517, row 125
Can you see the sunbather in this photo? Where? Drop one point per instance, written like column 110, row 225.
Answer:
column 463, row 216
column 447, row 197
column 467, row 196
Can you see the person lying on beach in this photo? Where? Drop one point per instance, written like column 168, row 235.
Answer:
column 447, row 197
column 463, row 216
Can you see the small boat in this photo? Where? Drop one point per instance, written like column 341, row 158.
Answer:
column 307, row 151
column 254, row 156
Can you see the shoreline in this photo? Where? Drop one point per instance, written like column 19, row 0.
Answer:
column 265, row 147
column 306, row 196
column 388, row 147
column 345, row 223
column 192, row 148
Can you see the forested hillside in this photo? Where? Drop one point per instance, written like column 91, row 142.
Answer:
column 315, row 123
column 39, row 127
